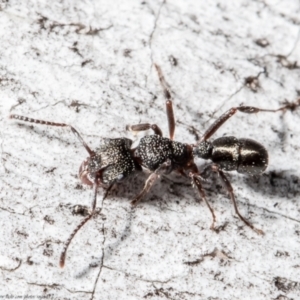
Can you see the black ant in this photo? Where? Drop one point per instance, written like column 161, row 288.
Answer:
column 115, row 160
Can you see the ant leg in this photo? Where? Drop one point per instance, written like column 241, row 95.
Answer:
column 247, row 110
column 169, row 105
column 85, row 210
column 229, row 189
column 144, row 127
column 206, row 172
column 42, row 122
column 163, row 168
column 85, row 220
column 197, row 182
column 181, row 172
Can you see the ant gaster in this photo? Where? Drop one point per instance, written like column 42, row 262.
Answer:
column 115, row 160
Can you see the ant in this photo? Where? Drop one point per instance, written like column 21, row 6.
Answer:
column 115, row 160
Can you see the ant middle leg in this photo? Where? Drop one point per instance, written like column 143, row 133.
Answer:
column 163, row 168
column 229, row 189
column 169, row 104
column 247, row 110
column 169, row 110
column 144, row 127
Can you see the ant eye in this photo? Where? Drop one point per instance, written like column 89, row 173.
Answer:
column 120, row 177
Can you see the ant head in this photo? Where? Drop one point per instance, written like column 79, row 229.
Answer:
column 203, row 150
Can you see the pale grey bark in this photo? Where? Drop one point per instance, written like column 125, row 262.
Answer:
column 90, row 64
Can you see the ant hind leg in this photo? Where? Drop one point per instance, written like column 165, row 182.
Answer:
column 229, row 189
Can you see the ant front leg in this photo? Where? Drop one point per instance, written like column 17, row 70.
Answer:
column 247, row 110
column 84, row 221
column 169, row 104
column 229, row 189
column 163, row 168
column 144, row 127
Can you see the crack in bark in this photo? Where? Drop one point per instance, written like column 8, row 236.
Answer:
column 102, row 258
column 13, row 269
column 58, row 286
column 152, row 34
column 280, row 214
column 250, row 81
column 139, row 278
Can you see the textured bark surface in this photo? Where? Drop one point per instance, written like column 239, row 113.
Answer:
column 90, row 64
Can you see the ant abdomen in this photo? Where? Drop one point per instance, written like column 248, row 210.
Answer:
column 246, row 156
column 253, row 157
